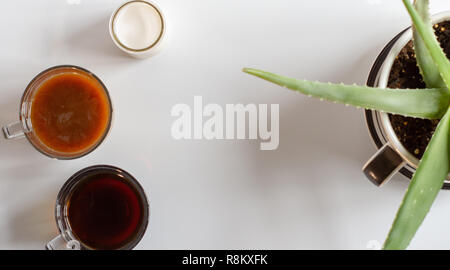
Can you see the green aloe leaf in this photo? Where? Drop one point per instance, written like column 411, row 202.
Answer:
column 423, row 189
column 428, row 68
column 423, row 103
column 431, row 43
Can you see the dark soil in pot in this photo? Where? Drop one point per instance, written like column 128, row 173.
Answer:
column 414, row 133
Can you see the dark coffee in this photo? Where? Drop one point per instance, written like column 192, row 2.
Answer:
column 105, row 211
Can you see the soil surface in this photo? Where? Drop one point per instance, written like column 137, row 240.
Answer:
column 414, row 133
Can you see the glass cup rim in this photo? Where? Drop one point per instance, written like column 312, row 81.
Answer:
column 23, row 119
column 120, row 43
column 61, row 215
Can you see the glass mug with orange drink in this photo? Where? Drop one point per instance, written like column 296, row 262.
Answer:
column 65, row 113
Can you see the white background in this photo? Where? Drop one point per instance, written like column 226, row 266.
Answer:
column 308, row 194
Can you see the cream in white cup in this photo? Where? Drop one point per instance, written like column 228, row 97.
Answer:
column 138, row 28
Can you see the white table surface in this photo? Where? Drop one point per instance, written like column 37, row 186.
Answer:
column 223, row 194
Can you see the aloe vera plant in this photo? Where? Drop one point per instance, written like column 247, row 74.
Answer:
column 431, row 103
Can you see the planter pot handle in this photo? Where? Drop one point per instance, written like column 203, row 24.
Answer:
column 383, row 165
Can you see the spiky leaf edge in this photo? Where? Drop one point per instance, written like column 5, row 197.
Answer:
column 421, row 103
column 431, row 43
column 427, row 67
column 423, row 189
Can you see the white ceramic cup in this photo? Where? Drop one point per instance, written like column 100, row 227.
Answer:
column 138, row 28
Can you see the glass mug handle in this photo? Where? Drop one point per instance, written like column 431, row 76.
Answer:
column 59, row 243
column 13, row 130
column 383, row 165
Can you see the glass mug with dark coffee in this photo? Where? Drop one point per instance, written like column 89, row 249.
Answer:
column 65, row 113
column 100, row 207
